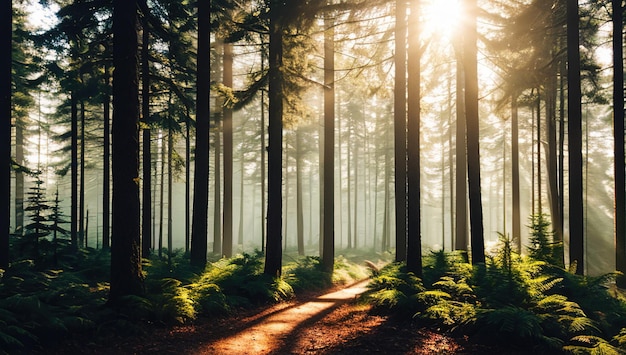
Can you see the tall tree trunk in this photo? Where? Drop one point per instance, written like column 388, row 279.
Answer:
column 6, row 32
column 187, row 183
column 473, row 133
column 539, row 165
column 618, row 131
column 386, row 239
column 19, row 177
column 400, row 146
column 574, row 109
column 170, row 185
column 217, row 211
column 146, row 219
column 263, row 165
column 414, row 229
column 241, row 197
column 106, row 179
column 81, row 214
column 515, row 188
column 328, row 244
column 552, row 161
column 299, row 204
column 273, row 252
column 355, row 152
column 199, row 224
column 460, row 241
column 227, row 246
column 74, row 168
column 126, row 274
column 161, row 197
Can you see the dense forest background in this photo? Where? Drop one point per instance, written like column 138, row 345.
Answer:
column 61, row 137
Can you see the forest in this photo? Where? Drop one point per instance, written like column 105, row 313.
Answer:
column 455, row 167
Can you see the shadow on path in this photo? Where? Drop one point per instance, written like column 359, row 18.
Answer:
column 268, row 334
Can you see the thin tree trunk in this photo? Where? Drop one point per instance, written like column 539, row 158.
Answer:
column 170, row 185
column 299, row 212
column 74, row 174
column 539, row 165
column 227, row 246
column 618, row 131
column 515, row 188
column 19, row 177
column 81, row 218
column 187, row 183
column 241, row 196
column 161, row 197
column 263, row 165
column 217, row 211
column 106, row 180
column 460, row 241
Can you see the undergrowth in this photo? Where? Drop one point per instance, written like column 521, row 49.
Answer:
column 42, row 304
column 511, row 301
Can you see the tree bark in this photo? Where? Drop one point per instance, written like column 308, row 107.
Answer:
column 106, row 180
column 146, row 220
column 199, row 224
column 126, row 274
column 618, row 131
column 460, row 241
column 399, row 113
column 273, row 255
column 6, row 16
column 515, row 178
column 473, row 134
column 227, row 246
column 574, row 109
column 414, row 229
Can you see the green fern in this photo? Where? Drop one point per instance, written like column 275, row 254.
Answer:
column 592, row 345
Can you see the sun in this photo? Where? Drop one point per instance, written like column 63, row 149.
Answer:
column 441, row 18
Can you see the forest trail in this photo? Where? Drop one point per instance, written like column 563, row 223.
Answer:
column 274, row 332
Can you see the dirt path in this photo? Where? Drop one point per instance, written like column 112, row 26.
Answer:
column 328, row 324
column 269, row 333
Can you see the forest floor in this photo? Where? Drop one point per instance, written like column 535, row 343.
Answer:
column 331, row 323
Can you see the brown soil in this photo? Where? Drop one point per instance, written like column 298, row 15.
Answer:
column 328, row 324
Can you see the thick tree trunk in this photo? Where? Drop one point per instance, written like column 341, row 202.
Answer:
column 199, row 224
column 146, row 220
column 574, row 109
column 473, row 133
column 126, row 274
column 6, row 32
column 19, row 177
column 414, row 229
column 273, row 252
column 400, row 147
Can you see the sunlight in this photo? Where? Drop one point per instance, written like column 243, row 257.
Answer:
column 441, row 17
